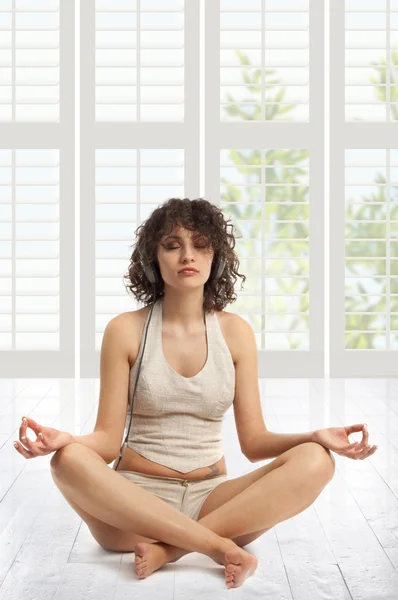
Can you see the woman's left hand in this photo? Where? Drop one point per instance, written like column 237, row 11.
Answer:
column 336, row 439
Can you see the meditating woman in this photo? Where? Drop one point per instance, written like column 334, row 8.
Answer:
column 168, row 493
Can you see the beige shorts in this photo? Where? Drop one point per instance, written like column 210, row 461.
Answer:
column 187, row 496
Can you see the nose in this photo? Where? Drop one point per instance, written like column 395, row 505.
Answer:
column 187, row 253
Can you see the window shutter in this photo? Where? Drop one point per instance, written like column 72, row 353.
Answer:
column 139, row 120
column 31, row 177
column 139, row 60
column 371, row 36
column 264, row 158
column 29, row 60
column 264, row 43
column 121, row 176
column 36, row 188
column 364, row 189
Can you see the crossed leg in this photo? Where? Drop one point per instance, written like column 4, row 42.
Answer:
column 280, row 489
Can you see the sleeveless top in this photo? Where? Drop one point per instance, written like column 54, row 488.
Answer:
column 177, row 420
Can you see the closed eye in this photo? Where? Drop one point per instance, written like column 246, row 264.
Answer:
column 175, row 247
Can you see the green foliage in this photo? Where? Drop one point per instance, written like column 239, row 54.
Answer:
column 380, row 82
column 283, row 168
column 372, row 254
column 286, row 216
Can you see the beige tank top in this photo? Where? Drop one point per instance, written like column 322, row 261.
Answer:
column 177, row 420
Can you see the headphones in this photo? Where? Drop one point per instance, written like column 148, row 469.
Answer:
column 153, row 277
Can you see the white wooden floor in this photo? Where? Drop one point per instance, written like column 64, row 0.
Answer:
column 344, row 546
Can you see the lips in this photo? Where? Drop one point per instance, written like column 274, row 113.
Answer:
column 188, row 271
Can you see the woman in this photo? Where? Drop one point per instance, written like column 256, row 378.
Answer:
column 171, row 494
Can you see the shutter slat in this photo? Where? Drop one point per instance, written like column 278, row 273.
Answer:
column 30, row 54
column 34, row 281
column 128, row 45
column 369, row 264
column 130, row 184
column 255, row 38
column 279, row 278
column 371, row 35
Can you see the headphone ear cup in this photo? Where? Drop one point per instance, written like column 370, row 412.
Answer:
column 219, row 268
column 148, row 269
column 150, row 273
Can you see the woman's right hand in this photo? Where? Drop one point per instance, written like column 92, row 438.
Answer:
column 48, row 439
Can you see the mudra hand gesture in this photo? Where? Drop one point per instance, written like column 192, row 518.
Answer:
column 336, row 439
column 48, row 439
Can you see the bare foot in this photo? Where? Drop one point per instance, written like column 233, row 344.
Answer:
column 149, row 558
column 239, row 565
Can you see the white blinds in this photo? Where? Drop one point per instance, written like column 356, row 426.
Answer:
column 264, row 159
column 364, row 188
column 371, row 315
column 29, row 231
column 36, row 188
column 139, row 60
column 130, row 184
column 264, row 71
column 264, row 60
column 272, row 219
column 139, row 121
column 29, row 60
column 371, row 60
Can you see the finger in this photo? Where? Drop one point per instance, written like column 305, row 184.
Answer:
column 26, row 443
column 32, row 447
column 354, row 428
column 22, row 450
column 371, row 451
column 363, row 444
column 352, row 446
column 28, row 422
column 22, row 427
column 32, row 424
column 23, row 431
column 363, row 453
column 353, row 453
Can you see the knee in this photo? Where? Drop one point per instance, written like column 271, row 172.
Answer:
column 321, row 459
column 63, row 455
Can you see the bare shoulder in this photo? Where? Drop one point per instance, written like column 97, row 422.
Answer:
column 131, row 328
column 234, row 329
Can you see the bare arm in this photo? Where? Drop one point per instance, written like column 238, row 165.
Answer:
column 107, row 436
column 100, row 442
column 271, row 444
column 256, row 441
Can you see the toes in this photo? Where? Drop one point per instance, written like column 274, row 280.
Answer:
column 231, row 568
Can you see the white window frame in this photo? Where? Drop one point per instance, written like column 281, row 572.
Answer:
column 344, row 135
column 309, row 135
column 137, row 135
column 17, row 135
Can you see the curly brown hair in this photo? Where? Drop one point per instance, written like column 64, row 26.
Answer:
column 205, row 220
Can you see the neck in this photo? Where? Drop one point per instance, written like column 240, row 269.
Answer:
column 183, row 314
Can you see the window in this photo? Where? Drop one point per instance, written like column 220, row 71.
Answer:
column 364, row 188
column 264, row 152
column 36, row 188
column 139, row 122
column 263, row 164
